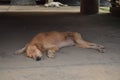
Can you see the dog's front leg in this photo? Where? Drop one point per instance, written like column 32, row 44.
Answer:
column 51, row 52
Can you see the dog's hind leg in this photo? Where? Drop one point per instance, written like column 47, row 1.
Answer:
column 84, row 44
column 98, row 47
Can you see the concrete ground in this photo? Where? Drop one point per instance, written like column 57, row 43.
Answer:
column 38, row 8
column 41, row 8
column 71, row 63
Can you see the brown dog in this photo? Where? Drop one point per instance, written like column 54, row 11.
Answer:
column 53, row 41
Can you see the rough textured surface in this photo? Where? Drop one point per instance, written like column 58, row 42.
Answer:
column 71, row 63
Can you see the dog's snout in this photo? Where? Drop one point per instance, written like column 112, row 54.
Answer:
column 38, row 58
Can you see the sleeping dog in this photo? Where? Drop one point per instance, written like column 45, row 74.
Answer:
column 53, row 41
column 54, row 4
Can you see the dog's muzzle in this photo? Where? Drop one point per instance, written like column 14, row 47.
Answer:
column 38, row 58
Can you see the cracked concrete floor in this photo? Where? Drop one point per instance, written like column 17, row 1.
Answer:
column 71, row 63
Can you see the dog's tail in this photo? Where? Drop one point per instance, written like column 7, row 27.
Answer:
column 22, row 50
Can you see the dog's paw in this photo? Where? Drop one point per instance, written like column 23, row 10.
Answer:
column 101, row 46
column 101, row 50
column 51, row 54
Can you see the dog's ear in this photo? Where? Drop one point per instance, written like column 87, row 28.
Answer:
column 40, row 47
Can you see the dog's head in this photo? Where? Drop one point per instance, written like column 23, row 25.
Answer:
column 46, row 5
column 34, row 52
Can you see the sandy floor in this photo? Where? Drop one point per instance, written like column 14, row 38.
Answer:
column 71, row 63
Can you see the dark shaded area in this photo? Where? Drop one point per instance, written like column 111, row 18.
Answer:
column 23, row 2
column 16, row 29
column 70, row 63
column 115, row 11
column 5, row 2
column 87, row 8
column 40, row 2
column 115, row 8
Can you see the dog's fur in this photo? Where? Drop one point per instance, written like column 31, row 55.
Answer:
column 53, row 41
column 54, row 4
